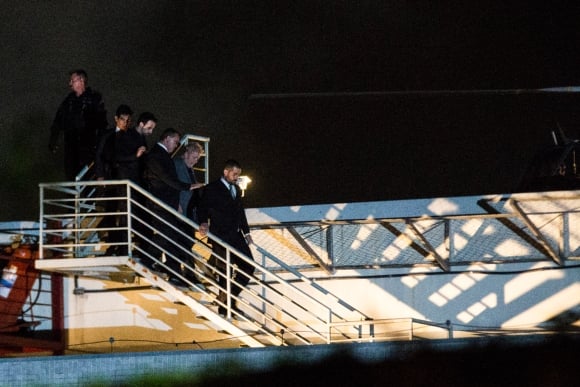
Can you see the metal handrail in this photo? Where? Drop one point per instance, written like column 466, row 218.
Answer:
column 302, row 317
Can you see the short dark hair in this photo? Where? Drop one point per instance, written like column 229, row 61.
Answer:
column 146, row 117
column 169, row 132
column 123, row 110
column 231, row 163
column 81, row 73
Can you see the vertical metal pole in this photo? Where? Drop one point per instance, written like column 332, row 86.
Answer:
column 263, row 290
column 329, row 325
column 228, row 283
column 77, row 221
column 564, row 241
column 129, row 220
column 330, row 244
column 41, row 225
column 447, row 231
column 206, row 162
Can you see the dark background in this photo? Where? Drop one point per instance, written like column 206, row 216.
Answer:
column 396, row 100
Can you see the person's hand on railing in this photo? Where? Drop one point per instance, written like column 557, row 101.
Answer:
column 195, row 186
column 249, row 239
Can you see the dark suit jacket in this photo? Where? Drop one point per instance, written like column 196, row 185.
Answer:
column 161, row 177
column 226, row 216
column 127, row 164
column 82, row 119
column 105, row 157
column 188, row 200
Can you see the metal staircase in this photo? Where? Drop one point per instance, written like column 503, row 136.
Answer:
column 298, row 248
column 275, row 308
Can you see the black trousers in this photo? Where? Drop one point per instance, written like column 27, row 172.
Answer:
column 172, row 236
column 139, row 219
column 111, row 221
column 242, row 274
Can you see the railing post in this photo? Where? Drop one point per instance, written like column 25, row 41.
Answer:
column 77, row 220
column 330, row 244
column 564, row 241
column 129, row 220
column 41, row 225
column 449, row 328
column 329, row 324
column 228, row 282
column 263, row 289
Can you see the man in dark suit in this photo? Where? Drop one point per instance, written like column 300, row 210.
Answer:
column 162, row 181
column 105, row 169
column 222, row 213
column 130, row 146
column 189, row 200
column 82, row 117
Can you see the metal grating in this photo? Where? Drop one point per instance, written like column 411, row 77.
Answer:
column 450, row 231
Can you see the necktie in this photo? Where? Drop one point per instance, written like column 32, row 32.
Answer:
column 233, row 191
column 191, row 175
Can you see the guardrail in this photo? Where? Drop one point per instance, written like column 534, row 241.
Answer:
column 91, row 218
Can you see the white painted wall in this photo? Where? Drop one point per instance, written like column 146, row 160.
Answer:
column 481, row 297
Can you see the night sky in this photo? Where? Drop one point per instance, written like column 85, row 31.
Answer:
column 320, row 101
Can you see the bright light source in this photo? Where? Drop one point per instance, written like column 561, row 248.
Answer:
column 243, row 182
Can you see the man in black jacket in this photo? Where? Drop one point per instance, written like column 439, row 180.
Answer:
column 130, row 148
column 82, row 117
column 162, row 181
column 131, row 145
column 106, row 169
column 105, row 160
column 222, row 213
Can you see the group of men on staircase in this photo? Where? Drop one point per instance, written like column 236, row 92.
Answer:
column 122, row 153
